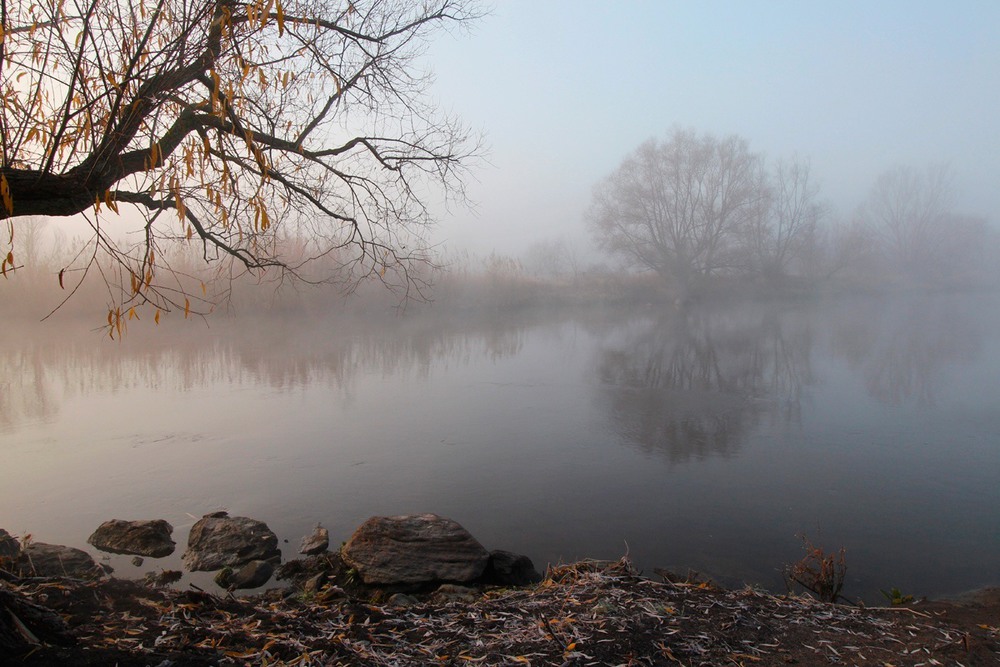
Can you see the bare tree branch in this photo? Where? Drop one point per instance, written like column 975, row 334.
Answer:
column 249, row 122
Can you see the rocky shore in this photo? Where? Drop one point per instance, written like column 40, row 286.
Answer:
column 418, row 589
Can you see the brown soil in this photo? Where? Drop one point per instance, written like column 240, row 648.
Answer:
column 582, row 614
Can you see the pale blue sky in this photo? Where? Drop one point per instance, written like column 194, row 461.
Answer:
column 565, row 89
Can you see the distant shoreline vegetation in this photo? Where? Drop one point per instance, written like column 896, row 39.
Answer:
column 549, row 274
column 474, row 284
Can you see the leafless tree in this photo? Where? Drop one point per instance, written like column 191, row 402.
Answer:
column 678, row 206
column 787, row 222
column 220, row 122
column 906, row 211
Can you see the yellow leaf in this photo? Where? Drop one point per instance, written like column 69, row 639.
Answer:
column 204, row 290
column 190, row 232
column 187, row 308
column 8, row 202
column 571, row 647
column 156, row 318
column 281, row 19
column 131, row 313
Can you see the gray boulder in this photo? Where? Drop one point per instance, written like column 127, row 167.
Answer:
column 218, row 540
column 414, row 549
column 315, row 543
column 138, row 538
column 10, row 548
column 54, row 560
column 509, row 569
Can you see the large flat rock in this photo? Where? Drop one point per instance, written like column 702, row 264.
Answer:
column 414, row 549
column 137, row 538
column 55, row 560
column 218, row 540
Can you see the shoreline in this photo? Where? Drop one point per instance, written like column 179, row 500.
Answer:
column 591, row 612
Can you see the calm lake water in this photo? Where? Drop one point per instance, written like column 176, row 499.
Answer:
column 706, row 439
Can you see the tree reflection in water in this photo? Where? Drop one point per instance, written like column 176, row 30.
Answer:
column 903, row 348
column 690, row 383
column 41, row 368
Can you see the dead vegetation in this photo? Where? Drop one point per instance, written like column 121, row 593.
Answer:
column 821, row 573
column 589, row 613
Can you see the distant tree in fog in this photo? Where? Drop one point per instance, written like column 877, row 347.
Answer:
column 690, row 207
column 921, row 239
column 227, row 126
column 679, row 206
column 788, row 220
column 906, row 211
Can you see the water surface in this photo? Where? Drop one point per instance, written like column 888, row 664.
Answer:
column 705, row 439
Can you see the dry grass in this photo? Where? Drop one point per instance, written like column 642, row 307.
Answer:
column 590, row 613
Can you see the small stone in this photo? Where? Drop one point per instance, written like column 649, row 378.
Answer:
column 223, row 577
column 316, row 543
column 137, row 561
column 254, row 574
column 452, row 593
column 509, row 569
column 314, row 584
column 401, row 600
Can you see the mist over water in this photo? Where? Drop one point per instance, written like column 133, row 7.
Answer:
column 706, row 437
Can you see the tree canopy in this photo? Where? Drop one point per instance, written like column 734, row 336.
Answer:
column 693, row 206
column 235, row 126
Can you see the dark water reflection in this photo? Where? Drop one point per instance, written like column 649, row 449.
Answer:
column 706, row 438
column 690, row 384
